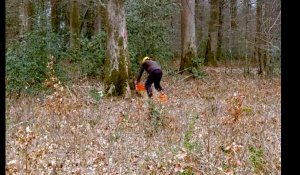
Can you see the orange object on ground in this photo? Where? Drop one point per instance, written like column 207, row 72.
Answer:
column 163, row 98
column 140, row 87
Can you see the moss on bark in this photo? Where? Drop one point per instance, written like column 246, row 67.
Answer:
column 118, row 78
column 187, row 59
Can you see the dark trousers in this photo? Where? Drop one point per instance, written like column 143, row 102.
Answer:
column 154, row 77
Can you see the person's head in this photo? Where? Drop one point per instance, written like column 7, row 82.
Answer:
column 145, row 59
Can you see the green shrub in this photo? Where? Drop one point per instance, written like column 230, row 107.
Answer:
column 91, row 55
column 187, row 142
column 26, row 61
column 148, row 30
column 256, row 157
column 197, row 69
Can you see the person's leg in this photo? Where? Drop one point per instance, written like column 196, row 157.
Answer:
column 157, row 74
column 148, row 84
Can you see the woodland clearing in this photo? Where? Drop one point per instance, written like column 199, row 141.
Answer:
column 226, row 123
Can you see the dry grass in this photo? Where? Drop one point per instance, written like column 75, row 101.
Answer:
column 225, row 124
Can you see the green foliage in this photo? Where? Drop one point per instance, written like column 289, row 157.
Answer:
column 156, row 114
column 96, row 94
column 148, row 30
column 187, row 171
column 26, row 61
column 91, row 55
column 188, row 143
column 256, row 157
column 197, row 68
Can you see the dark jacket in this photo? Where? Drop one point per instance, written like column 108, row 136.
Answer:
column 149, row 66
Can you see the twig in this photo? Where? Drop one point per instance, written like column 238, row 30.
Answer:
column 212, row 165
column 275, row 22
column 173, row 84
column 70, row 92
column 18, row 125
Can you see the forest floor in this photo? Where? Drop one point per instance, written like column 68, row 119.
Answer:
column 227, row 123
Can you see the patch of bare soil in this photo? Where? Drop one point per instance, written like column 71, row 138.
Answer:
column 227, row 123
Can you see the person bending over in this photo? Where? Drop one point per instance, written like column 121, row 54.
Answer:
column 154, row 75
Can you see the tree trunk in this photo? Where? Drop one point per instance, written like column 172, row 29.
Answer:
column 54, row 15
column 258, row 38
column 42, row 14
column 247, row 6
column 29, row 15
column 233, row 25
column 100, row 19
column 210, row 59
column 90, row 19
column 267, row 37
column 220, row 35
column 12, row 20
column 199, row 16
column 188, row 40
column 117, row 57
column 74, row 24
column 233, row 14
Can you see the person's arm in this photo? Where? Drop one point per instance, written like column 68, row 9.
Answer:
column 140, row 73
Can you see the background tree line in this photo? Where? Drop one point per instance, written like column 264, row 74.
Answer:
column 108, row 38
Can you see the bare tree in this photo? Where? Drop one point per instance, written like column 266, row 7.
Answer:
column 100, row 20
column 220, row 30
column 199, row 20
column 74, row 24
column 210, row 59
column 117, row 58
column 188, row 39
column 258, row 38
column 14, row 15
column 247, row 6
column 28, row 15
column 233, row 27
column 54, row 15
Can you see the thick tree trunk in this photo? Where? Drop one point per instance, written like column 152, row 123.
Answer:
column 54, row 15
column 117, row 57
column 188, row 39
column 74, row 24
column 210, row 56
column 220, row 30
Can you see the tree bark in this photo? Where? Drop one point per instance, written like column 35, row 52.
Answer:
column 220, row 30
column 247, row 6
column 199, row 15
column 210, row 57
column 117, row 56
column 90, row 20
column 29, row 15
column 74, row 24
column 233, row 25
column 258, row 38
column 13, row 20
column 233, row 14
column 188, row 39
column 54, row 15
